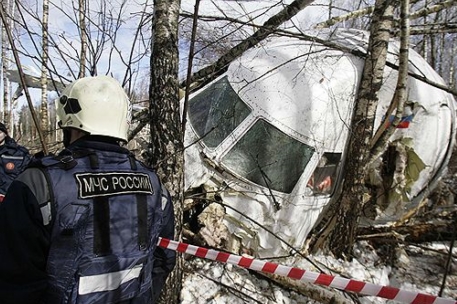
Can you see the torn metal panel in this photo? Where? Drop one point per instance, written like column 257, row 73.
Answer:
column 269, row 136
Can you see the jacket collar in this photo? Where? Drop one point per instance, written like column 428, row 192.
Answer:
column 98, row 143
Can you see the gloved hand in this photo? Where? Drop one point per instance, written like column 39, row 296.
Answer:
column 2, row 197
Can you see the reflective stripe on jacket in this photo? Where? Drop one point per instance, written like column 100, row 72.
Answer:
column 106, row 211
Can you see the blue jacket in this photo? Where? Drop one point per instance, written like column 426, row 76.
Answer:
column 83, row 227
column 14, row 159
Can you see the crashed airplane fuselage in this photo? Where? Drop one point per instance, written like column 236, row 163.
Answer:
column 267, row 138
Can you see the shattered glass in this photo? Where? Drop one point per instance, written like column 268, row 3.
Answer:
column 216, row 112
column 268, row 157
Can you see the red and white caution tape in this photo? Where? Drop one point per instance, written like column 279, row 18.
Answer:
column 341, row 283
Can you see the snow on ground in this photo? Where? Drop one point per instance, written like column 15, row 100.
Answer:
column 417, row 269
column 407, row 267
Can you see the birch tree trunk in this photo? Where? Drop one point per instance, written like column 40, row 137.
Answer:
column 451, row 68
column 82, row 28
column 6, row 82
column 21, row 74
column 166, row 134
column 433, row 47
column 5, row 118
column 339, row 234
column 44, row 77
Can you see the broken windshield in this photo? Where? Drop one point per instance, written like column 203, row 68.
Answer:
column 268, row 157
column 216, row 112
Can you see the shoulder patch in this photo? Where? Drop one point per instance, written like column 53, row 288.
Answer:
column 112, row 183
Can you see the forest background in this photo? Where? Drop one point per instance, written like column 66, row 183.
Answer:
column 161, row 50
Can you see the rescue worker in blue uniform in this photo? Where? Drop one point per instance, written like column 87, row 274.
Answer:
column 14, row 159
column 82, row 226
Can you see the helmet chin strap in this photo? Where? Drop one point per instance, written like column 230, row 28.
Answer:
column 66, row 137
column 70, row 135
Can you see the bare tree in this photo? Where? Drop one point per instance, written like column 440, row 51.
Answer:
column 5, row 80
column 98, row 25
column 165, row 121
column 268, row 28
column 22, row 79
column 44, row 73
column 82, row 29
column 339, row 235
column 6, row 62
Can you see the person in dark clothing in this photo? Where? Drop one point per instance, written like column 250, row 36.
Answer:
column 14, row 159
column 83, row 226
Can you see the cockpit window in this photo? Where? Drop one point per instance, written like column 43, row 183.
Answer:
column 268, row 157
column 323, row 180
column 216, row 112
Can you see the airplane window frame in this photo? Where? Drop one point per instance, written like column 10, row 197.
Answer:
column 323, row 180
column 216, row 111
column 255, row 157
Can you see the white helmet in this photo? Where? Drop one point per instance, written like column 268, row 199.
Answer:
column 97, row 105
